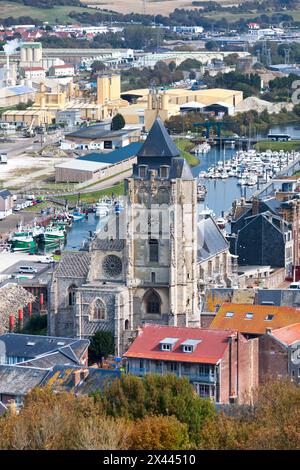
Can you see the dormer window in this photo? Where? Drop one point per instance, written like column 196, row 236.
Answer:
column 249, row 316
column 142, row 171
column 167, row 344
column 164, row 171
column 269, row 317
column 189, row 345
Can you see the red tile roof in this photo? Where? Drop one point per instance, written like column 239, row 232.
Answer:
column 287, row 335
column 209, row 350
column 32, row 69
column 64, row 66
column 282, row 316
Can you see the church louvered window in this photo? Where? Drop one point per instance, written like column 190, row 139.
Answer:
column 99, row 310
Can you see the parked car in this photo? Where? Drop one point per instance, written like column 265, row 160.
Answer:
column 46, row 259
column 27, row 269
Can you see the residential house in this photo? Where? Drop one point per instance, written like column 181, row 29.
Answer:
column 264, row 239
column 16, row 381
column 253, row 320
column 279, row 354
column 32, row 349
column 6, row 203
column 221, row 365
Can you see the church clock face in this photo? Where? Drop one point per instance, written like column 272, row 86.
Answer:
column 112, row 266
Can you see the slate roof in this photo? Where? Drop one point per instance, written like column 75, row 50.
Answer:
column 158, row 143
column 115, row 156
column 73, row 265
column 61, row 378
column 97, row 132
column 210, row 239
column 18, row 380
column 181, row 169
column 31, row 346
column 4, row 193
column 273, row 204
column 282, row 316
column 210, row 349
column 108, row 245
column 3, row 409
column 47, row 361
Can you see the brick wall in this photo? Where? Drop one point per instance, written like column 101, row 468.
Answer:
column 273, row 359
column 239, row 370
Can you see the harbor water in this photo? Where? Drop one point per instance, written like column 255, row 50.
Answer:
column 219, row 197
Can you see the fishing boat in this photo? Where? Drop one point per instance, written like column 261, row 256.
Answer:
column 52, row 233
column 103, row 207
column 78, row 215
column 221, row 222
column 23, row 242
column 201, row 192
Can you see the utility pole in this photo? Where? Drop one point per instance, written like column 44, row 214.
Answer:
column 144, row 7
column 286, row 55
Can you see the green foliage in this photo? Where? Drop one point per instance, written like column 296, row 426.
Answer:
column 102, row 345
column 98, row 66
column 185, row 146
column 118, row 122
column 189, row 64
column 135, row 398
column 212, row 46
column 160, row 75
column 36, row 325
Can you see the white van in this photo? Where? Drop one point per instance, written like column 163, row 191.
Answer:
column 27, row 269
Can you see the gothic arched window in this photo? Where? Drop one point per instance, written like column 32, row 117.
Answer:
column 98, row 310
column 71, row 295
column 152, row 302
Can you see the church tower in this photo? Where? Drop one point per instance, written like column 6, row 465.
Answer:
column 161, row 246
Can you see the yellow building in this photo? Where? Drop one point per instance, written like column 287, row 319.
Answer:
column 167, row 103
column 48, row 102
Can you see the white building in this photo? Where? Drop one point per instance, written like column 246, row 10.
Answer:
column 65, row 70
column 34, row 72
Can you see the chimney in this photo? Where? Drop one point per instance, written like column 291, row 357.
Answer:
column 20, row 317
column 11, row 323
column 255, row 206
column 268, row 331
column 41, row 301
column 30, row 309
column 80, row 375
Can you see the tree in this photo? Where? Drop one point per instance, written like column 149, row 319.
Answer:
column 36, row 325
column 98, row 66
column 118, row 122
column 159, row 433
column 102, row 345
column 211, row 46
column 134, row 398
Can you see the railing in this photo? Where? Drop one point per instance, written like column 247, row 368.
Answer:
column 202, row 378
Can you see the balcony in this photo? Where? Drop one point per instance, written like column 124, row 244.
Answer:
column 202, row 378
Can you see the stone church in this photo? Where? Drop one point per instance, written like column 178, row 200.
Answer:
column 143, row 265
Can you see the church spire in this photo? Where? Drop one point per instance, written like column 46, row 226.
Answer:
column 158, row 142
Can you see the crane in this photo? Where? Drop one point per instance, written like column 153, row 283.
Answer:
column 30, row 132
column 208, row 125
